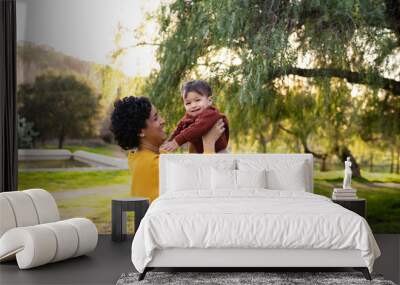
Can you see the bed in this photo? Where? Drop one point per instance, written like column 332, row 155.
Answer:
column 247, row 210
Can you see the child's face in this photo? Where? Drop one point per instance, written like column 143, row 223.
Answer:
column 196, row 103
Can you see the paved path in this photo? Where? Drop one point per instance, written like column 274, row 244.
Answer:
column 388, row 185
column 100, row 190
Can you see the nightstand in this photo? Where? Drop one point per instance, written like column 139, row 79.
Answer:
column 118, row 215
column 358, row 206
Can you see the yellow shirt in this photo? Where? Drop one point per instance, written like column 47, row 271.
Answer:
column 143, row 165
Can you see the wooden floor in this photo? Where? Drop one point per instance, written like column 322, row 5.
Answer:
column 111, row 259
column 103, row 266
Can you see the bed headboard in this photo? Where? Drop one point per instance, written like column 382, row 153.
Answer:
column 211, row 159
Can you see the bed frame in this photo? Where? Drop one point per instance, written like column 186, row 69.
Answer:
column 243, row 259
column 247, row 258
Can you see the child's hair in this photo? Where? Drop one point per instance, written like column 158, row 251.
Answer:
column 198, row 86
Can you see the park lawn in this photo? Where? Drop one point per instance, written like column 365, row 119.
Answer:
column 71, row 180
column 383, row 207
column 99, row 150
column 97, row 208
column 337, row 175
column 107, row 149
column 383, row 201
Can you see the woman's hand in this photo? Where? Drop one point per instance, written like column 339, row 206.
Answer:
column 169, row 146
column 212, row 136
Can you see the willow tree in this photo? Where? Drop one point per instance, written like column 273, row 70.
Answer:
column 380, row 126
column 355, row 41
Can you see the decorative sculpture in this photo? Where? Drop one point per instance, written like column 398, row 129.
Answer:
column 347, row 174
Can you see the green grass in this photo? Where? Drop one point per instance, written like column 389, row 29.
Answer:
column 97, row 208
column 383, row 207
column 71, row 180
column 383, row 201
column 107, row 149
column 337, row 175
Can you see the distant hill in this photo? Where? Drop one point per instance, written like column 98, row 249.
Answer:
column 33, row 59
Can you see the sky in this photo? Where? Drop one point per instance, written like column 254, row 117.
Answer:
column 86, row 29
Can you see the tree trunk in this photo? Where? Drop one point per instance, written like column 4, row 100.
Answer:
column 323, row 163
column 371, row 162
column 263, row 142
column 398, row 161
column 322, row 156
column 392, row 160
column 61, row 138
column 355, row 167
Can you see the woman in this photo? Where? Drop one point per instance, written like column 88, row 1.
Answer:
column 137, row 125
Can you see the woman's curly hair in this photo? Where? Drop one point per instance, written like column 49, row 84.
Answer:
column 128, row 119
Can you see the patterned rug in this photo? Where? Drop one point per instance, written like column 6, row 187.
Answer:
column 242, row 278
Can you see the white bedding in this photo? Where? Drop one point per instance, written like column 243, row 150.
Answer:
column 252, row 218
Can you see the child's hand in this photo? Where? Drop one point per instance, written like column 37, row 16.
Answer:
column 170, row 146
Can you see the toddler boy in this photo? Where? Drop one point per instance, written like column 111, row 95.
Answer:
column 200, row 117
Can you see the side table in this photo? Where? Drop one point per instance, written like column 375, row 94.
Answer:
column 119, row 207
column 358, row 206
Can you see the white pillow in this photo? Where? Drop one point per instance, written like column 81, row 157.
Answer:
column 182, row 177
column 223, row 179
column 292, row 179
column 193, row 174
column 227, row 179
column 282, row 174
column 251, row 178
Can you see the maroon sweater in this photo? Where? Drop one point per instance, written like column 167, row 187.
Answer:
column 192, row 129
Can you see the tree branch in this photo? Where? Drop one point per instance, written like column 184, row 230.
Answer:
column 317, row 155
column 351, row 77
column 304, row 143
column 286, row 130
column 141, row 44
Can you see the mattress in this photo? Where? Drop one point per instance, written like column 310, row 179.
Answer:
column 250, row 219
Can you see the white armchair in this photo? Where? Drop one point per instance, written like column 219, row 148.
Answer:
column 31, row 230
